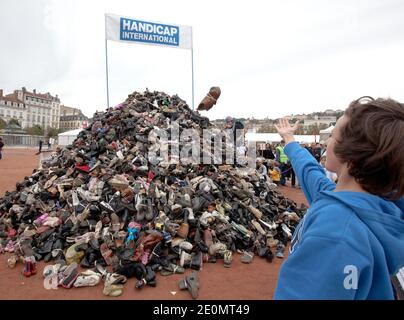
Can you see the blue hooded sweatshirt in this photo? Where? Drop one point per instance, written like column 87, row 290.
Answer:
column 347, row 246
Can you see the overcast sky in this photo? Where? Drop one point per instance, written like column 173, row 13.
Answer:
column 270, row 58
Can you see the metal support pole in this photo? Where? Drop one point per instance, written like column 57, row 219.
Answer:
column 192, row 58
column 106, row 66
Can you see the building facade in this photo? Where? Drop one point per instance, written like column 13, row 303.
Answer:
column 318, row 120
column 30, row 108
column 12, row 108
column 72, row 118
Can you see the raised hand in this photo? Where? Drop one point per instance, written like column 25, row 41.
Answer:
column 285, row 130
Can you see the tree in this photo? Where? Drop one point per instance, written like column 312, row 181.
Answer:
column 323, row 126
column 267, row 128
column 300, row 130
column 52, row 132
column 2, row 124
column 14, row 121
column 313, row 129
column 35, row 131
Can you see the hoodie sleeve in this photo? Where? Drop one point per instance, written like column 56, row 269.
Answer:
column 310, row 174
column 322, row 269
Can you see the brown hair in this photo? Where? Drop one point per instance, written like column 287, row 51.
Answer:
column 372, row 143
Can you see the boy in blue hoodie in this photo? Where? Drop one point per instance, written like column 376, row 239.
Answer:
column 351, row 241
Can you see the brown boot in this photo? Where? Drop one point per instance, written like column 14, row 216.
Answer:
column 210, row 99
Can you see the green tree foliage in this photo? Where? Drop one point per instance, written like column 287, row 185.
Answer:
column 35, row 130
column 14, row 121
column 2, row 124
column 53, row 132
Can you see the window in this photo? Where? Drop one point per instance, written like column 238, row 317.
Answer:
column 21, row 115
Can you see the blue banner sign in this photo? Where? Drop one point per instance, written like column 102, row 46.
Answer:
column 149, row 32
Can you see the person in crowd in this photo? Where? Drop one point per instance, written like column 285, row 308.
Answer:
column 274, row 172
column 291, row 174
column 1, row 147
column 323, row 147
column 261, row 168
column 316, row 151
column 268, row 153
column 40, row 146
column 350, row 243
column 282, row 159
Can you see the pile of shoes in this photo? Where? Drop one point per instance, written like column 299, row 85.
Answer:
column 101, row 202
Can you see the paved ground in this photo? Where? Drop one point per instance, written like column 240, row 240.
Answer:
column 240, row 282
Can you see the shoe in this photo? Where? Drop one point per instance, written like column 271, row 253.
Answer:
column 202, row 247
column 191, row 283
column 196, row 261
column 115, row 223
column 73, row 255
column 227, row 258
column 106, row 253
column 51, row 270
column 210, row 99
column 185, row 259
column 27, row 268
column 9, row 247
column 207, row 238
column 33, row 266
column 69, row 275
column 185, row 245
column 247, row 257
column 12, row 261
column 217, row 248
column 258, row 227
column 279, row 250
column 114, row 290
column 172, row 268
column 87, row 278
column 183, row 230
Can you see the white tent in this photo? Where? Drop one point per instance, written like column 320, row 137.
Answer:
column 325, row 134
column 328, row 130
column 67, row 137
